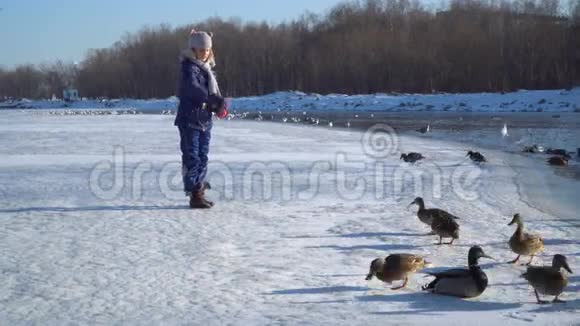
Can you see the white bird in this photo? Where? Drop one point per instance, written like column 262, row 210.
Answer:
column 425, row 129
column 504, row 131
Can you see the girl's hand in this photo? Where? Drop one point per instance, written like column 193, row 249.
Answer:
column 219, row 105
column 222, row 112
column 215, row 102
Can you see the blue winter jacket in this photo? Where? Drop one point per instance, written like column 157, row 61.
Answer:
column 193, row 93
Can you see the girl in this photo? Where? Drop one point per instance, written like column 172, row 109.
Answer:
column 199, row 97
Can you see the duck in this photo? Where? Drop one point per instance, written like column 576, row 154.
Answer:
column 461, row 282
column 558, row 160
column 559, row 152
column 476, row 157
column 533, row 149
column 441, row 222
column 396, row 267
column 524, row 243
column 529, row 149
column 549, row 280
column 426, row 215
column 412, row 157
column 445, row 227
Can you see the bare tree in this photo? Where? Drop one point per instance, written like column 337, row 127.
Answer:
column 363, row 46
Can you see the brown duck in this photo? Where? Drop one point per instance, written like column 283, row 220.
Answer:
column 426, row 215
column 558, row 160
column 396, row 267
column 442, row 223
column 548, row 280
column 524, row 243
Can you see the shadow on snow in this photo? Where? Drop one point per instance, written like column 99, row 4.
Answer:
column 91, row 208
column 425, row 303
column 322, row 290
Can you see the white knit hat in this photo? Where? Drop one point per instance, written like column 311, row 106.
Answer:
column 200, row 40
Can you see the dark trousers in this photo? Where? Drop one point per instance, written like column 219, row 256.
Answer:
column 194, row 149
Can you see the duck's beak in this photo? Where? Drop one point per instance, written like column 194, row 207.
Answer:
column 411, row 204
column 486, row 256
column 369, row 277
column 566, row 267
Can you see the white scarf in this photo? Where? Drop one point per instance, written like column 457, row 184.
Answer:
column 207, row 66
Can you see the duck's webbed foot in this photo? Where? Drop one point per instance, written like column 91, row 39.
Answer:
column 403, row 285
column 515, row 260
column 556, row 300
column 540, row 301
column 530, row 262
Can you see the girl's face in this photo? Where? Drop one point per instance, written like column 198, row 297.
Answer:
column 202, row 54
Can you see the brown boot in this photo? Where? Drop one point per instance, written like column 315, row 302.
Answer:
column 198, row 201
column 205, row 187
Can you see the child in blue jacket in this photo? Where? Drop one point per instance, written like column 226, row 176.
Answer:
column 199, row 98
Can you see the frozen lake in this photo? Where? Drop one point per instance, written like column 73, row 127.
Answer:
column 94, row 227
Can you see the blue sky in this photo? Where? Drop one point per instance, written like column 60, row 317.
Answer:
column 46, row 30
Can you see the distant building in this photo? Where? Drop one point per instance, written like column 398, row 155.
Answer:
column 70, row 94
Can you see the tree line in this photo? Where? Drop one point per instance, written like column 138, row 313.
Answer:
column 356, row 47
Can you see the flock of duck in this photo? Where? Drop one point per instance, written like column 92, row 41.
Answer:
column 559, row 156
column 413, row 157
column 472, row 281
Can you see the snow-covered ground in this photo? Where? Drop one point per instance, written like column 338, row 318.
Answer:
column 94, row 228
column 520, row 101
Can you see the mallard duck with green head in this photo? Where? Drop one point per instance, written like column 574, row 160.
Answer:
column 461, row 282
